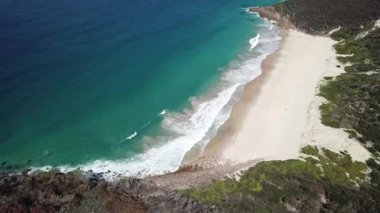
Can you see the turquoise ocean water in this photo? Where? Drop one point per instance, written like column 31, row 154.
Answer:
column 122, row 85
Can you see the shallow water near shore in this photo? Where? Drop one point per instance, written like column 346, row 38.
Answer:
column 125, row 86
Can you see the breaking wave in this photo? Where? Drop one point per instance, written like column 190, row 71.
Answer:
column 197, row 124
column 254, row 41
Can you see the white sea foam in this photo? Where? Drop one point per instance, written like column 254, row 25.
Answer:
column 254, row 41
column 134, row 134
column 131, row 136
column 145, row 125
column 197, row 124
column 248, row 11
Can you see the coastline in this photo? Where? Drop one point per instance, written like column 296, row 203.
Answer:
column 278, row 112
column 273, row 154
column 252, row 89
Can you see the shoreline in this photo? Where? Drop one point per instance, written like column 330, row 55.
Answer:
column 250, row 92
column 224, row 148
column 275, row 118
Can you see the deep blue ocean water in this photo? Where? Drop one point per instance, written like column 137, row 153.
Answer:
column 87, row 80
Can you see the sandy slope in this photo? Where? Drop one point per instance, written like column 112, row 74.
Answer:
column 279, row 113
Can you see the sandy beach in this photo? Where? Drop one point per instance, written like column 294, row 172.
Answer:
column 279, row 111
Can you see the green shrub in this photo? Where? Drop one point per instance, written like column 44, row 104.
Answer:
column 274, row 182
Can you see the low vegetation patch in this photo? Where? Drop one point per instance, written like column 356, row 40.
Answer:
column 300, row 184
column 354, row 97
column 319, row 17
column 54, row 191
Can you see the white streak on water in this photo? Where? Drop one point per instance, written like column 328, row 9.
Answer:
column 134, row 134
column 254, row 41
column 131, row 136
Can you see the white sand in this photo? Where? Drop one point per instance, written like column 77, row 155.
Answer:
column 283, row 115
